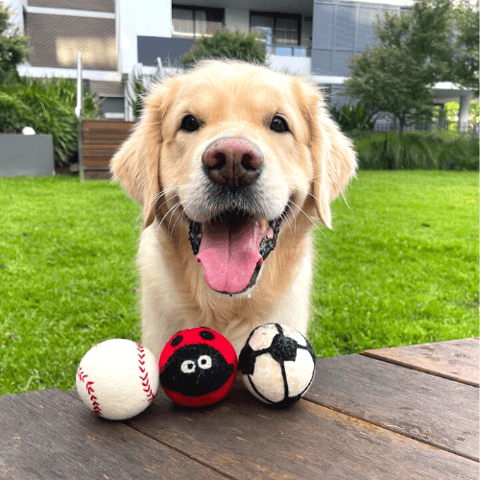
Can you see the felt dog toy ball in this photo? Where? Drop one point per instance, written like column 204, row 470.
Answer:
column 277, row 364
column 197, row 367
column 117, row 379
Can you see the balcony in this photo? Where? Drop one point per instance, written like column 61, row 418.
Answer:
column 295, row 59
column 289, row 50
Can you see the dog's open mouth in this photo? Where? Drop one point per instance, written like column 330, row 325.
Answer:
column 232, row 248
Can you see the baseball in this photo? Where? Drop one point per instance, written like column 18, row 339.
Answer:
column 118, row 379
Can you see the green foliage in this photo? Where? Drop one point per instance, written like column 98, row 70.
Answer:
column 352, row 117
column 387, row 79
column 417, row 150
column 136, row 100
column 452, row 109
column 13, row 48
column 48, row 106
column 425, row 33
column 416, row 50
column 225, row 44
column 13, row 113
column 140, row 90
column 464, row 59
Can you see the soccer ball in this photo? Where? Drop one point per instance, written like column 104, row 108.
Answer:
column 277, row 364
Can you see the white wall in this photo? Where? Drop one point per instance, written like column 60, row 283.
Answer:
column 295, row 65
column 126, row 12
column 140, row 18
column 154, row 19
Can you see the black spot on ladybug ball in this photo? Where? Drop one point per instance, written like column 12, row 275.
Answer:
column 195, row 370
column 206, row 335
column 176, row 341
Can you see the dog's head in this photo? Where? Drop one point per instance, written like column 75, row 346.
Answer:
column 229, row 151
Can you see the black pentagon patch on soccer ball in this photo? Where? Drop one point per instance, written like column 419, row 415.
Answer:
column 283, row 349
column 246, row 360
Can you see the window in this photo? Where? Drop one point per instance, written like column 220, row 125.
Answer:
column 307, row 31
column 279, row 29
column 193, row 23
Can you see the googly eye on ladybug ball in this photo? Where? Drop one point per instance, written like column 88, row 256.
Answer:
column 197, row 367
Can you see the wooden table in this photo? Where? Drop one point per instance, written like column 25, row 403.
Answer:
column 399, row 413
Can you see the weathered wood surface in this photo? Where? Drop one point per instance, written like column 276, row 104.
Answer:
column 50, row 435
column 363, row 418
column 430, row 409
column 457, row 359
column 248, row 440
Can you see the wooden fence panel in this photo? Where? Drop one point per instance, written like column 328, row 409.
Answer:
column 100, row 140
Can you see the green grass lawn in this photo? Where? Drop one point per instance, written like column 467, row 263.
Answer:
column 399, row 267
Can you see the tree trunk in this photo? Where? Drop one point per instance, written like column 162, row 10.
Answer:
column 400, row 131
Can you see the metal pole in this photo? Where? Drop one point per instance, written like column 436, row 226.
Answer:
column 79, row 114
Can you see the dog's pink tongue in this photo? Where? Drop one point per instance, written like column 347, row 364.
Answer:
column 229, row 254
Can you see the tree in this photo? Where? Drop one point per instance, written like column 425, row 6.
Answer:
column 225, row 44
column 387, row 79
column 13, row 47
column 464, row 61
column 414, row 51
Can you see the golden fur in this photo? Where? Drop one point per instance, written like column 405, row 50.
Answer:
column 159, row 165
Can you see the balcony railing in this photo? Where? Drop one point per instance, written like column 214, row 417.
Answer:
column 289, row 50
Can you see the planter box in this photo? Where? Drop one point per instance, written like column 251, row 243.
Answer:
column 26, row 155
column 100, row 140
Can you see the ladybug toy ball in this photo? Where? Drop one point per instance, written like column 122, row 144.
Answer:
column 197, row 367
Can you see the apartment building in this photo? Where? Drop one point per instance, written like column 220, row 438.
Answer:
column 310, row 37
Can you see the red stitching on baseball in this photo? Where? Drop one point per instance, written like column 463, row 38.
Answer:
column 145, row 381
column 89, row 386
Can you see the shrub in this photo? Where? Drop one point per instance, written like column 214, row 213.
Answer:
column 13, row 47
column 352, row 117
column 12, row 111
column 47, row 105
column 225, row 44
column 139, row 90
column 416, row 150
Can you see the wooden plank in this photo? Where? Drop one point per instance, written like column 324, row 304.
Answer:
column 103, row 142
column 50, row 435
column 97, row 162
column 116, row 125
column 98, row 135
column 428, row 408
column 245, row 439
column 456, row 359
column 97, row 175
column 100, row 152
column 99, row 168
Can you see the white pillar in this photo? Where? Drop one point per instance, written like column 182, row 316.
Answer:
column 127, row 35
column 464, row 111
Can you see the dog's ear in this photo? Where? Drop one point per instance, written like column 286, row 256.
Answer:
column 136, row 164
column 333, row 156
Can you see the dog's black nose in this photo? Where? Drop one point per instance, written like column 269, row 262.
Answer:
column 233, row 161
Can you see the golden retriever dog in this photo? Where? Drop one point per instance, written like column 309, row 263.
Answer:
column 233, row 163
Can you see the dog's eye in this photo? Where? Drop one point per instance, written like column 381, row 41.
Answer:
column 279, row 125
column 190, row 124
